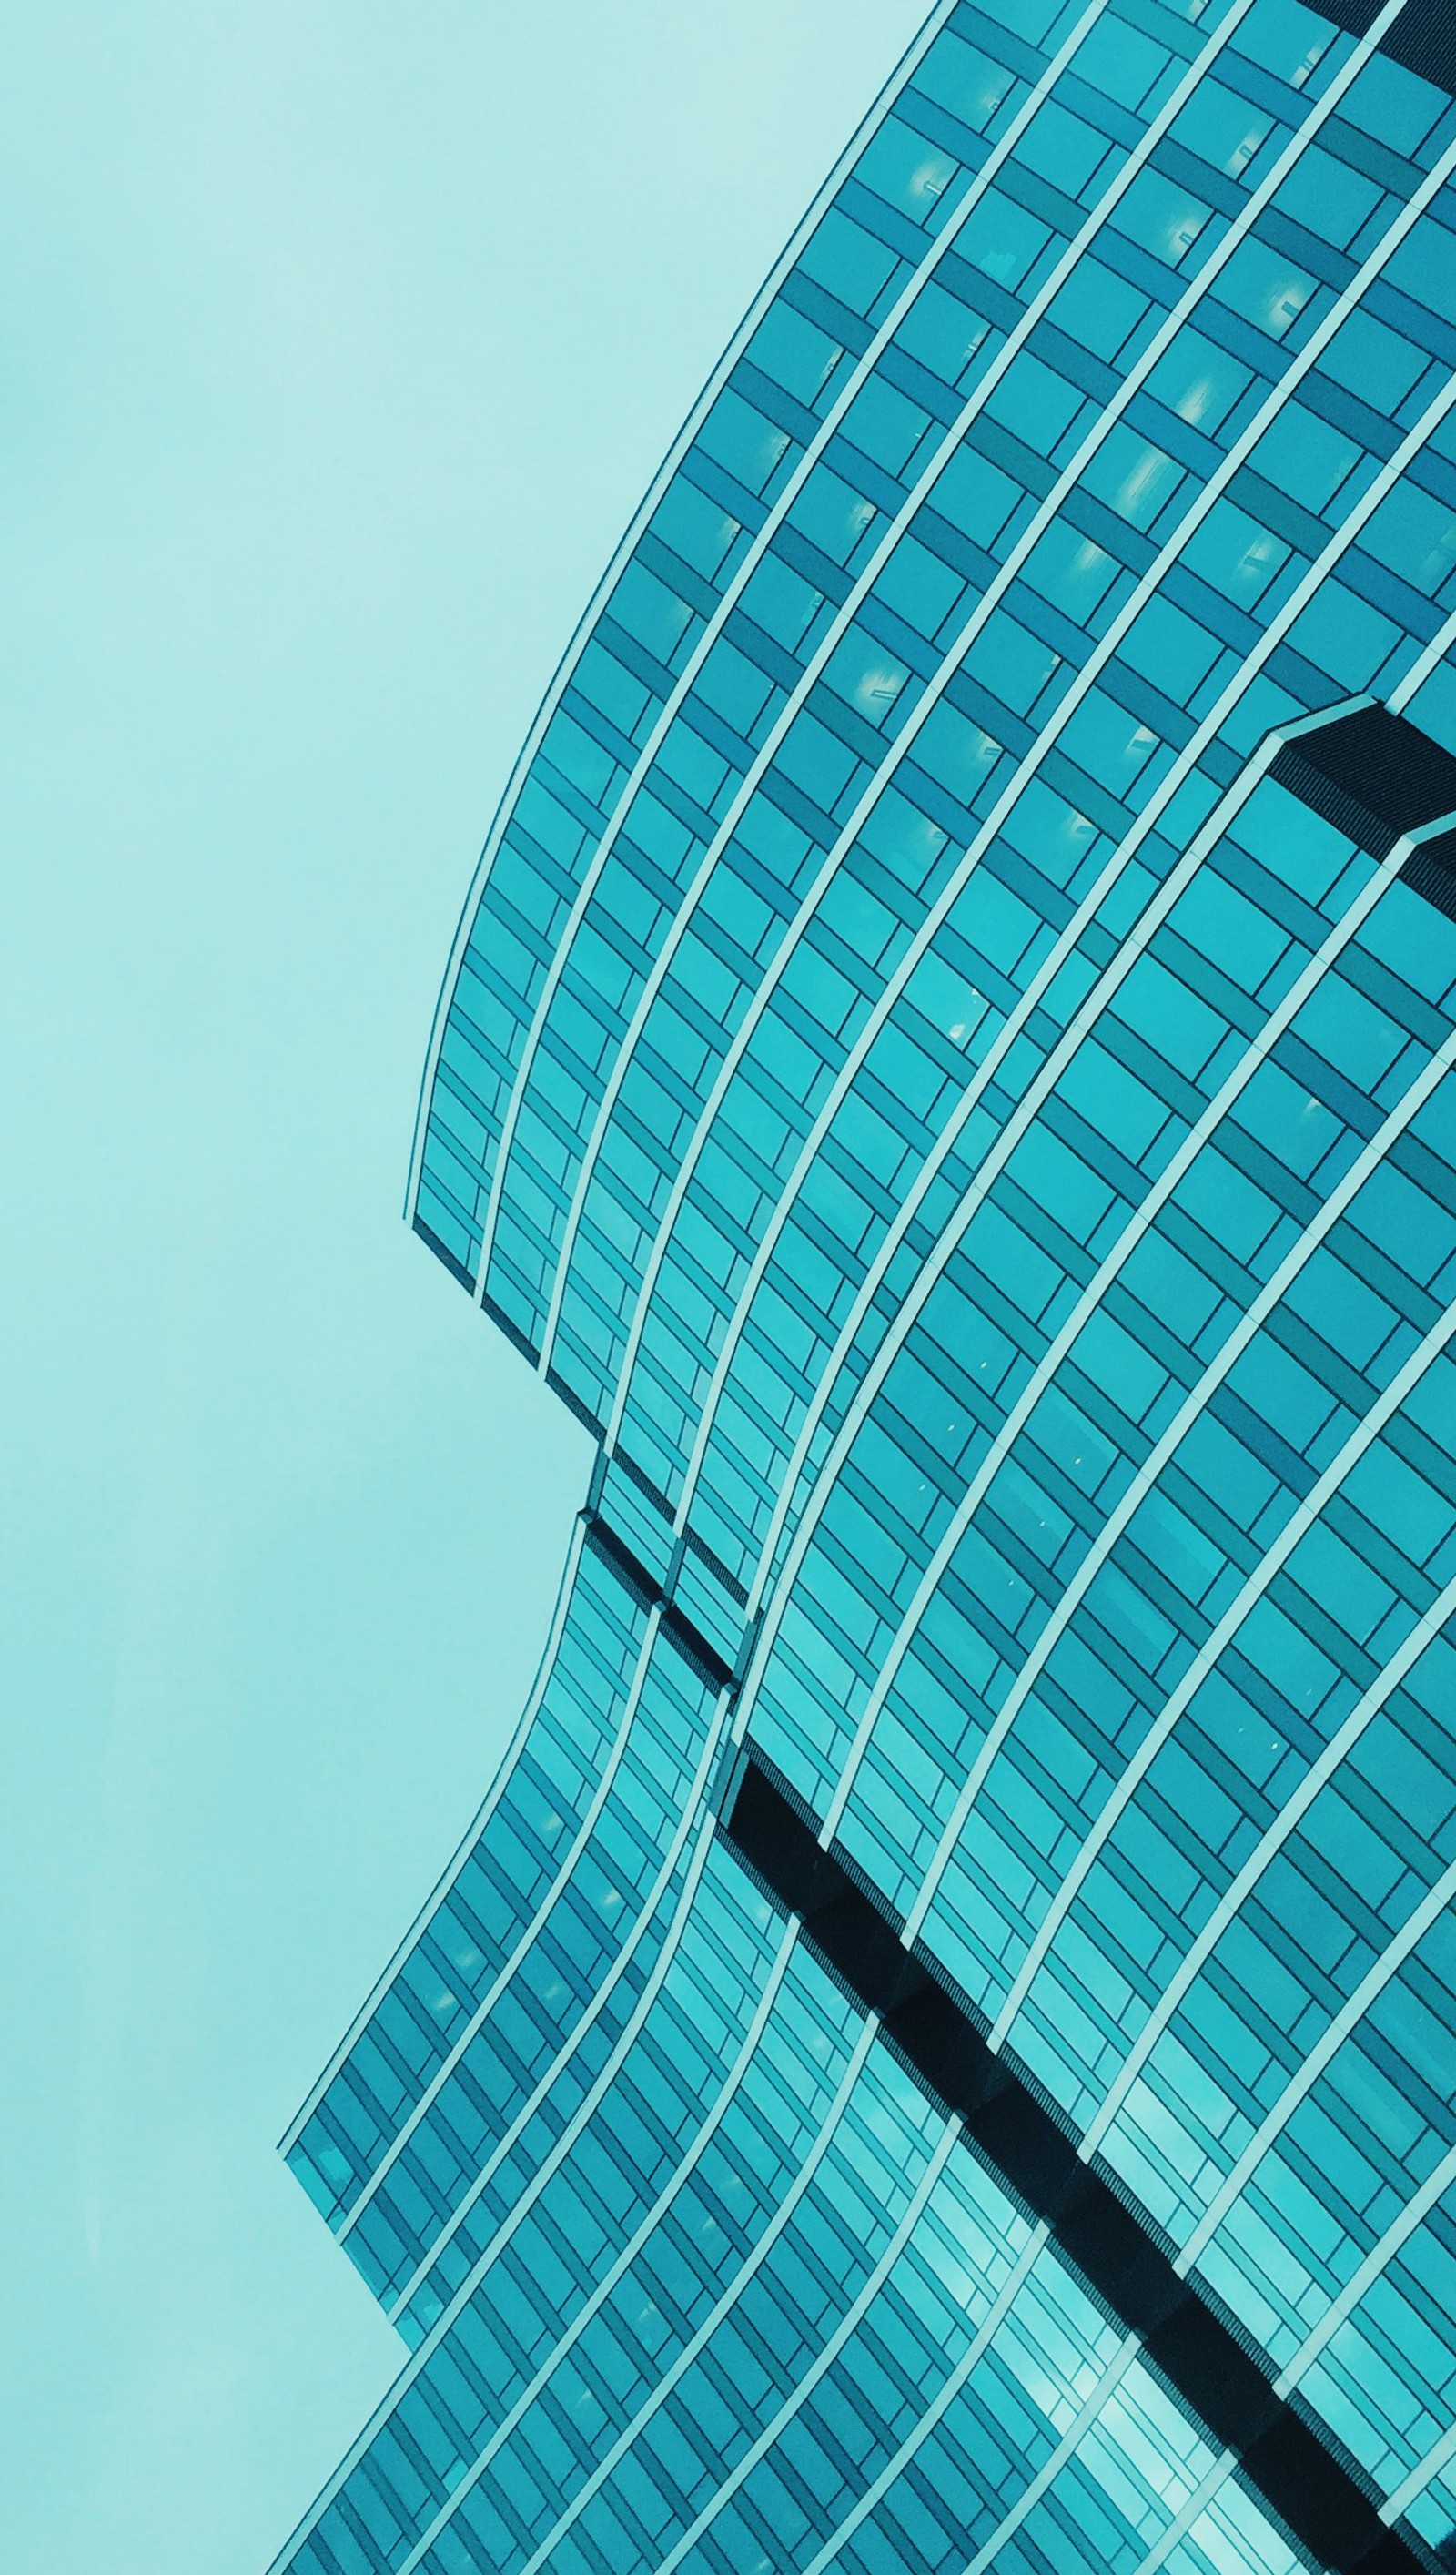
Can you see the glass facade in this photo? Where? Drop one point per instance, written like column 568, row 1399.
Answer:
column 939, row 2049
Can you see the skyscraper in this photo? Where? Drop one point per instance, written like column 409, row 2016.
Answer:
column 938, row 2052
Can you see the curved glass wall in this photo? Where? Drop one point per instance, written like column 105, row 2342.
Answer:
column 938, row 2051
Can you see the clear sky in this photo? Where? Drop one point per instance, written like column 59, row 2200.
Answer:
column 338, row 343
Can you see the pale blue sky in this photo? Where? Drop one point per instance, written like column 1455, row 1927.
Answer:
column 339, row 344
